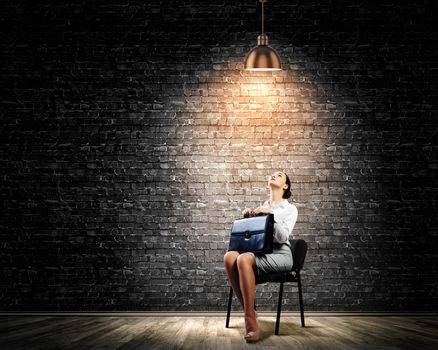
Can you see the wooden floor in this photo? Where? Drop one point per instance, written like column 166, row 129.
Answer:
column 209, row 332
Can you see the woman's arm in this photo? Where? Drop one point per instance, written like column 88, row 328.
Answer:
column 284, row 222
column 262, row 210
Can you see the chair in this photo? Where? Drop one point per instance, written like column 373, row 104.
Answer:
column 299, row 250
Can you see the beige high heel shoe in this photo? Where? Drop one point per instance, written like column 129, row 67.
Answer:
column 252, row 336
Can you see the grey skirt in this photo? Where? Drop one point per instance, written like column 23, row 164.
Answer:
column 280, row 260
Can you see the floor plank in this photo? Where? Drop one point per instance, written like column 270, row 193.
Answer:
column 209, row 332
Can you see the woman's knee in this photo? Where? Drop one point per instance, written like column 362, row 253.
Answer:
column 230, row 258
column 245, row 259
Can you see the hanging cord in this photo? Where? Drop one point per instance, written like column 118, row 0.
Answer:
column 263, row 16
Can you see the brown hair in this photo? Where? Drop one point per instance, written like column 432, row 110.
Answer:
column 287, row 192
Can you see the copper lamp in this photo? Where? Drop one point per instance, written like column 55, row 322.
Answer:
column 262, row 57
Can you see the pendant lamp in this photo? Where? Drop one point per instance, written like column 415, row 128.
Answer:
column 262, row 57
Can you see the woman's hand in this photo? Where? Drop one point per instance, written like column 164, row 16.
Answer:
column 262, row 210
column 248, row 212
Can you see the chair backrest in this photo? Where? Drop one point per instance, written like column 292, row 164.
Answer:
column 299, row 250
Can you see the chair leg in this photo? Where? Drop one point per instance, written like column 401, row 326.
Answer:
column 301, row 301
column 280, row 298
column 230, row 299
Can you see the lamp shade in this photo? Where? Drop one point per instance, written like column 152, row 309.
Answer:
column 262, row 57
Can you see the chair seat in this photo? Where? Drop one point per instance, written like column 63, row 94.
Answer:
column 290, row 276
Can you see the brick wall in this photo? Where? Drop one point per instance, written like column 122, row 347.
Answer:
column 131, row 138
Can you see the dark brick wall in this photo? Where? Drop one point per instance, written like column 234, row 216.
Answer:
column 131, row 138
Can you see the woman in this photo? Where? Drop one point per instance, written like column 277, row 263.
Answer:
column 242, row 269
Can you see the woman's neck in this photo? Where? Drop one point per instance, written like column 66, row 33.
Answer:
column 275, row 197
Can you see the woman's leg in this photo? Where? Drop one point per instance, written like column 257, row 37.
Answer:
column 230, row 262
column 245, row 266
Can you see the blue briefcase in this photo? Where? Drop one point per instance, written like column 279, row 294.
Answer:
column 254, row 234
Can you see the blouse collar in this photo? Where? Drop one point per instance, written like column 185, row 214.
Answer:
column 277, row 205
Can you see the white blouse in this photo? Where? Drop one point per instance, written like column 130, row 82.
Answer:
column 285, row 217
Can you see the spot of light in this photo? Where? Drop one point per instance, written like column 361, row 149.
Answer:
column 261, row 87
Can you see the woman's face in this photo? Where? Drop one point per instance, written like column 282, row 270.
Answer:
column 278, row 179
